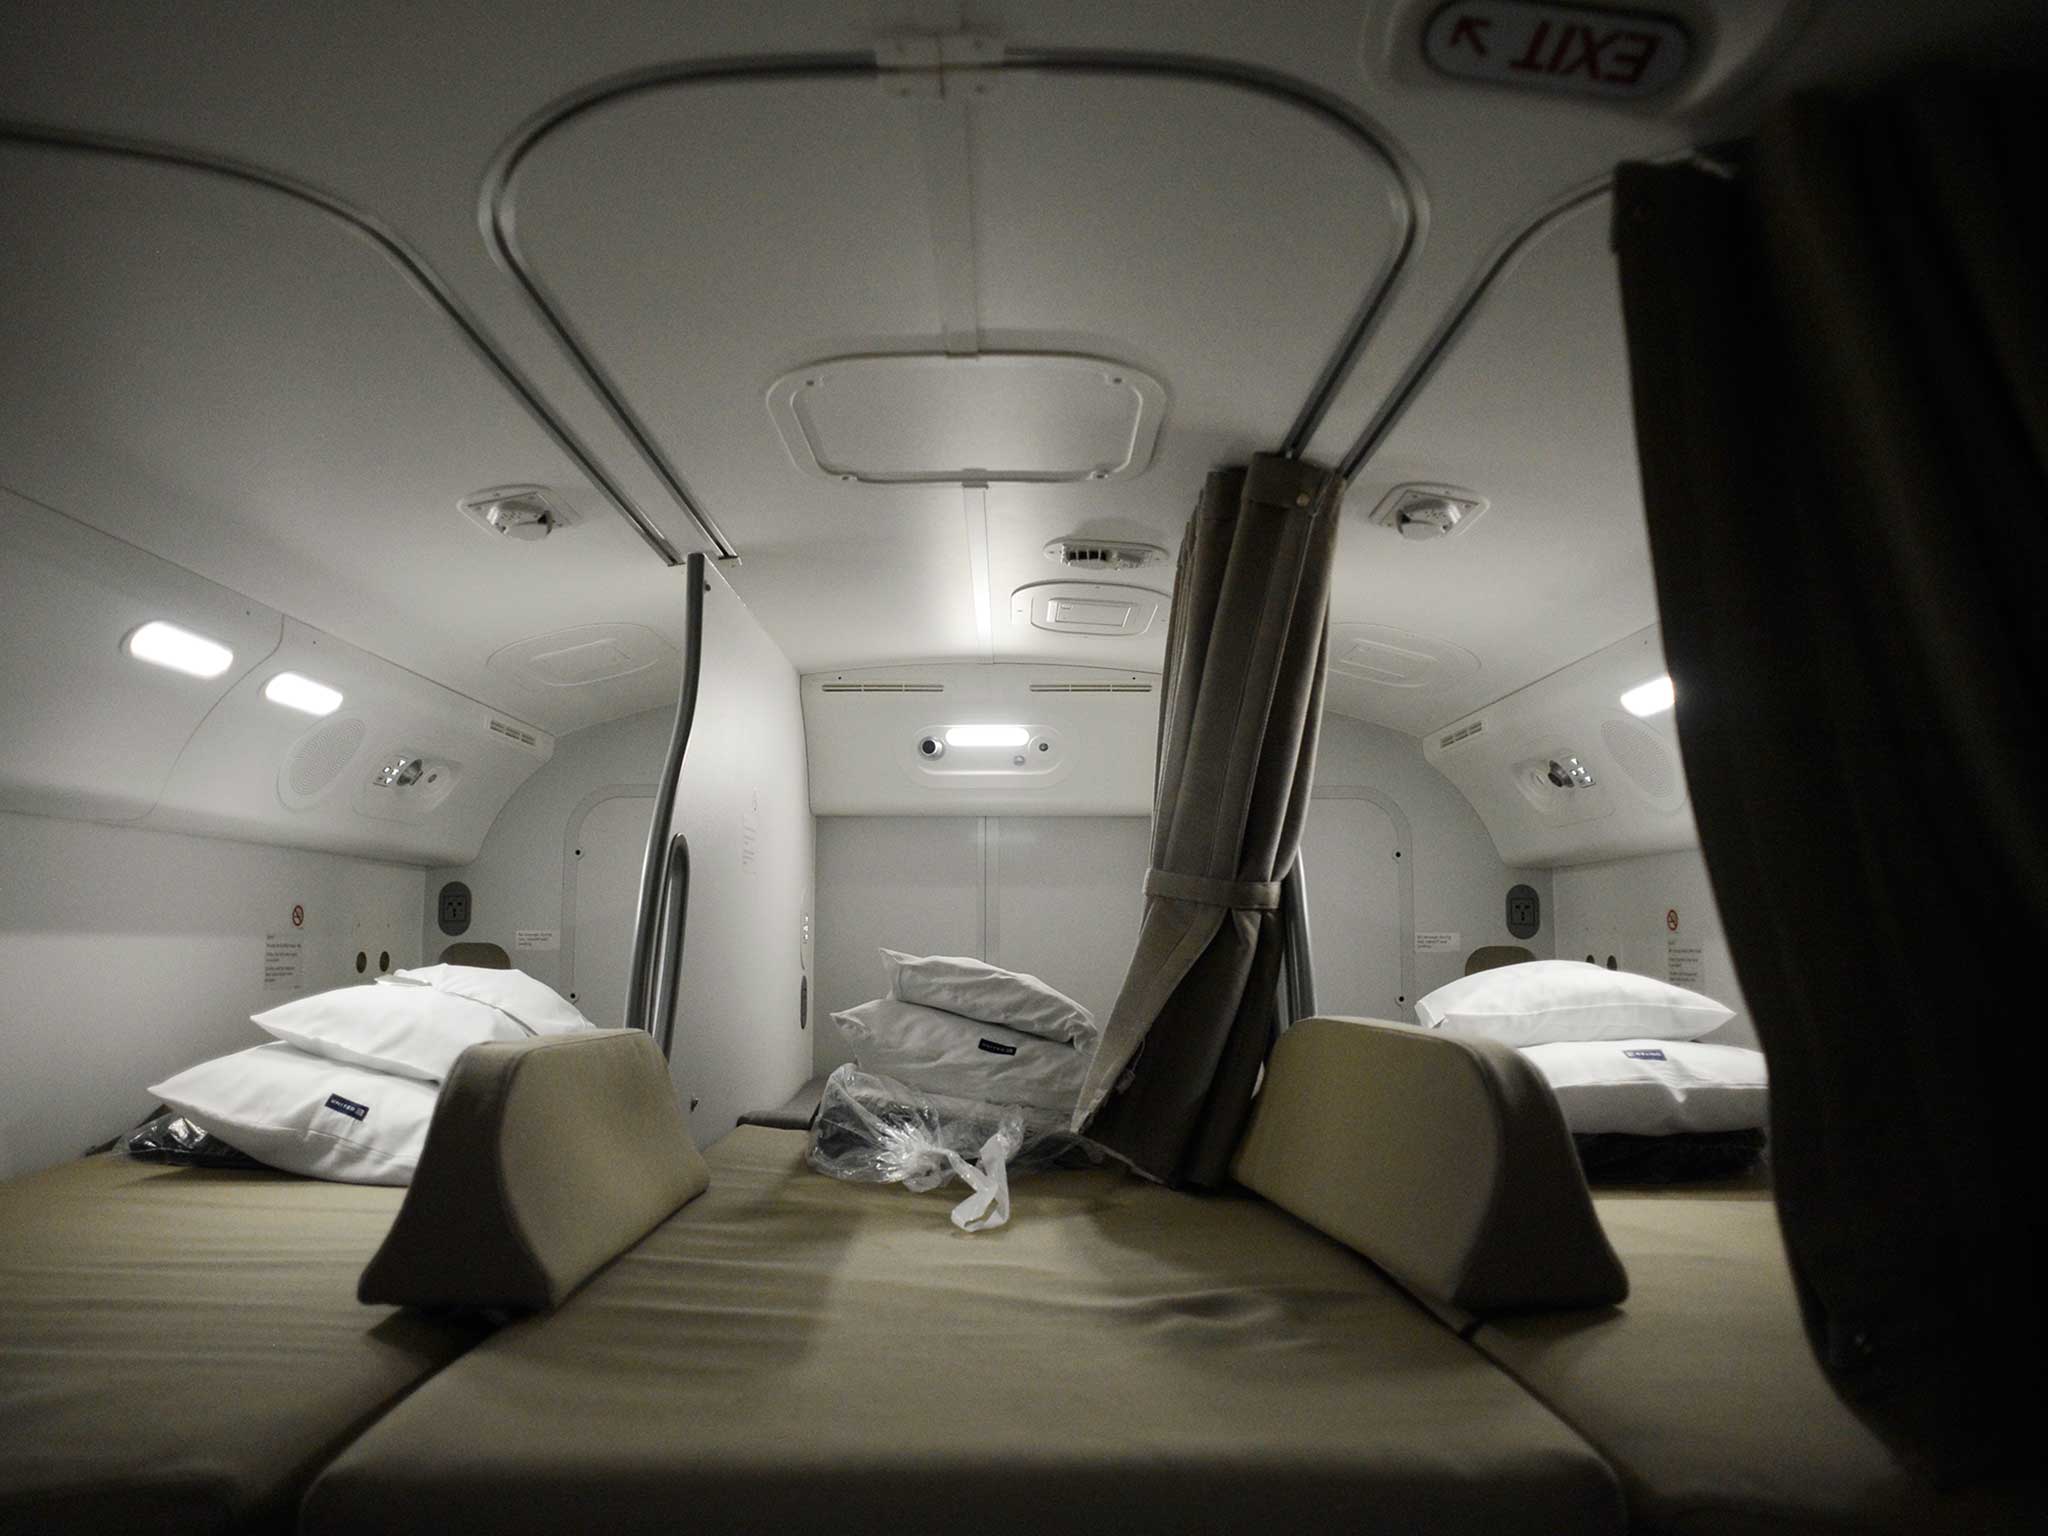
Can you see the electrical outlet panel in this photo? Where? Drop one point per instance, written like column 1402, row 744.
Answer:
column 453, row 908
column 1525, row 911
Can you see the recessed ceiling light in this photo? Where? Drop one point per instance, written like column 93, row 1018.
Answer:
column 165, row 645
column 986, row 736
column 302, row 693
column 1651, row 698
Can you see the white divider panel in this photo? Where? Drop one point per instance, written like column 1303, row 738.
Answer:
column 1059, row 897
column 1356, row 915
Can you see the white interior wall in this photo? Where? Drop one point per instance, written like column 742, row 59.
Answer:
column 1460, row 883
column 1058, row 896
column 743, row 803
column 130, row 955
column 1627, row 907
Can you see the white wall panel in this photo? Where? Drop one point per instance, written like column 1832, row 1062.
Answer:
column 739, row 1038
column 1656, row 916
column 1459, row 882
column 1056, row 896
column 130, row 954
column 1355, row 909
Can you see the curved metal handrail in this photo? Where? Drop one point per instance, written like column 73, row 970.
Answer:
column 675, row 911
column 641, row 981
column 498, row 219
column 411, row 265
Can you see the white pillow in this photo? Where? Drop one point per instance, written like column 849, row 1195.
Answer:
column 974, row 989
column 538, row 1006
column 1655, row 1087
column 413, row 1031
column 944, row 1053
column 307, row 1114
column 1539, row 1001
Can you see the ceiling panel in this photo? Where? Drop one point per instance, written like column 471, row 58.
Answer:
column 702, row 240
column 1530, row 410
column 250, row 388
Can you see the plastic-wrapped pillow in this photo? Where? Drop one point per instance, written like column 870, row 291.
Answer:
column 989, row 994
column 947, row 1054
column 413, row 1031
column 535, row 1004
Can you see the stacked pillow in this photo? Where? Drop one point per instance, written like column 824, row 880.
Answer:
column 1621, row 1051
column 347, row 1087
column 969, row 1030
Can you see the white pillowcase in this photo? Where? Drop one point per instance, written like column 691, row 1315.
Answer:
column 974, row 989
column 1540, row 1001
column 1655, row 1087
column 538, row 1006
column 944, row 1053
column 307, row 1114
column 413, row 1031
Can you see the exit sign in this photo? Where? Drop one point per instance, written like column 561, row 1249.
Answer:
column 1577, row 49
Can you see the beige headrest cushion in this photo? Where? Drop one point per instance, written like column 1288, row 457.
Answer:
column 1442, row 1159
column 546, row 1158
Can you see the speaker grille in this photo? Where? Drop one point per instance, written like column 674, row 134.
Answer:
column 319, row 760
column 1638, row 753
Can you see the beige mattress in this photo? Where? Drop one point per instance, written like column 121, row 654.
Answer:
column 181, row 1349
column 1702, row 1391
column 792, row 1353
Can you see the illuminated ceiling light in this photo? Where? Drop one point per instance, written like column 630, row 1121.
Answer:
column 1651, row 698
column 302, row 693
column 986, row 736
column 166, row 645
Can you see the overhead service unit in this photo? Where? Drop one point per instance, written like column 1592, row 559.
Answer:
column 1583, row 765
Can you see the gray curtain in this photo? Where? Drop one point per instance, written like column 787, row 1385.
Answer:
column 1839, row 355
column 1172, row 1083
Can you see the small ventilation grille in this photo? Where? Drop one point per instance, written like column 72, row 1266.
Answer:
column 1103, row 555
column 1462, row 733
column 1639, row 754
column 882, row 688
column 1091, row 687
column 514, row 732
column 319, row 760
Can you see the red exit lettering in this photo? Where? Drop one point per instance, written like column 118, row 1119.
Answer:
column 1578, row 50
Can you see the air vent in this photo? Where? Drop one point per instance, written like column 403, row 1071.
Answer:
column 514, row 732
column 882, row 687
column 1091, row 687
column 1103, row 555
column 1462, row 733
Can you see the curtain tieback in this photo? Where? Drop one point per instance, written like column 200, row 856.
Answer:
column 1243, row 895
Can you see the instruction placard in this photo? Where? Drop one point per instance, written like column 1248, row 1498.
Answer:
column 1438, row 943
column 1685, row 965
column 536, row 938
column 284, row 962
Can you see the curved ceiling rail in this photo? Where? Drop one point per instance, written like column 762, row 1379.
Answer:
column 499, row 222
column 1452, row 326
column 410, row 266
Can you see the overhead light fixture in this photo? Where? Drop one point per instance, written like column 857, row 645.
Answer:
column 166, row 645
column 527, row 513
column 986, row 736
column 1569, row 773
column 302, row 693
column 400, row 771
column 1651, row 698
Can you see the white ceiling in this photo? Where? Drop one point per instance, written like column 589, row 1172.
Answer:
column 242, row 385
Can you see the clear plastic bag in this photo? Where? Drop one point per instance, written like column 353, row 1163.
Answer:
column 170, row 1138
column 875, row 1130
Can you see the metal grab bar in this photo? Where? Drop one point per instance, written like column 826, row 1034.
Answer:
column 675, row 911
column 1299, row 961
column 654, row 868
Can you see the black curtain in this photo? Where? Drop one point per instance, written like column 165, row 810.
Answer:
column 1839, row 343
